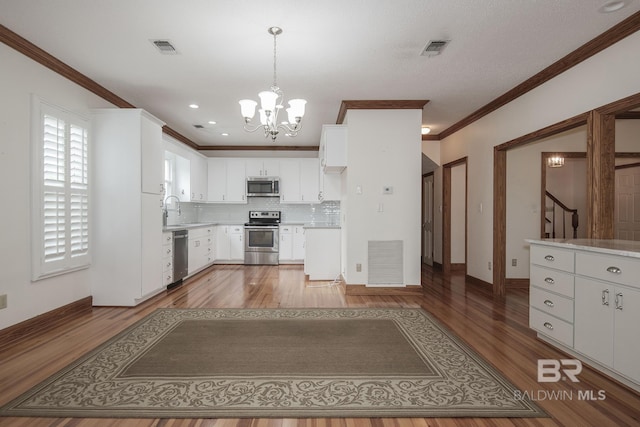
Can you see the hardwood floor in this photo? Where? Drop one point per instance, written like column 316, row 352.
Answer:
column 495, row 328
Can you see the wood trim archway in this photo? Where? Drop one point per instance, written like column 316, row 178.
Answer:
column 600, row 177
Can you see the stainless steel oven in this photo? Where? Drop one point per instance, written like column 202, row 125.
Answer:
column 261, row 238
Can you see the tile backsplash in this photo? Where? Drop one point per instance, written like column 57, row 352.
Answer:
column 325, row 212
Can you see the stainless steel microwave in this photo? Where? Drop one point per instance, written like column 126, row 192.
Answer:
column 263, row 186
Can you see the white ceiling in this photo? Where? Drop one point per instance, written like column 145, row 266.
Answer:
column 329, row 51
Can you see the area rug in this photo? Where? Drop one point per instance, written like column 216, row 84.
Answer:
column 213, row 363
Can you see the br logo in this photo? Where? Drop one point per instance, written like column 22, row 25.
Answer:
column 552, row 370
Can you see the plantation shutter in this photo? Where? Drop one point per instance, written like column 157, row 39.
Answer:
column 61, row 189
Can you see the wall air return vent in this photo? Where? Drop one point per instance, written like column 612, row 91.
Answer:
column 165, row 47
column 434, row 47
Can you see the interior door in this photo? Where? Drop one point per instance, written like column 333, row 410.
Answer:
column 627, row 213
column 427, row 219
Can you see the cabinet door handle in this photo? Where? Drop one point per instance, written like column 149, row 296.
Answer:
column 548, row 326
column 614, row 270
column 605, row 297
column 619, row 301
column 548, row 303
column 549, row 280
column 549, row 258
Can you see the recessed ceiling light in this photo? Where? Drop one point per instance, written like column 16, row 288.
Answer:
column 224, row 134
column 194, row 106
column 613, row 6
column 211, row 122
column 426, row 130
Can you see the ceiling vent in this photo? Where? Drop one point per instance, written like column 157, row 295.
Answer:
column 198, row 126
column 434, row 47
column 165, row 47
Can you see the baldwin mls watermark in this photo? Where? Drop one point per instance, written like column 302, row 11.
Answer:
column 553, row 371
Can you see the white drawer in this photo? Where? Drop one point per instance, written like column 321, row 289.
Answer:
column 611, row 268
column 167, row 239
column 167, row 265
column 551, row 326
column 167, row 251
column 552, row 257
column 553, row 304
column 552, row 280
column 167, row 278
column 200, row 232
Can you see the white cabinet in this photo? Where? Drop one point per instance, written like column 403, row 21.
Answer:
column 226, row 180
column 229, row 243
column 322, row 253
column 330, row 186
column 148, row 133
column 201, row 248
column 167, row 258
column 585, row 299
column 198, row 178
column 299, row 181
column 292, row 241
column 333, row 148
column 127, row 220
column 608, row 311
column 262, row 167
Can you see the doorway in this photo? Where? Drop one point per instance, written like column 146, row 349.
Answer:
column 454, row 224
column 427, row 219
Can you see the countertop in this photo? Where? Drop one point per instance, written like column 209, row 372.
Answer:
column 315, row 225
column 628, row 248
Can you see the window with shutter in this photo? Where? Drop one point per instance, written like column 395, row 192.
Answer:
column 60, row 191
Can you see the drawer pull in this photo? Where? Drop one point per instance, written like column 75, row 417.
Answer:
column 605, row 297
column 619, row 301
column 548, row 303
column 548, row 326
column 614, row 270
column 549, row 258
column 549, row 280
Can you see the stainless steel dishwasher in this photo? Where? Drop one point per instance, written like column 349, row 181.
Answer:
column 180, row 256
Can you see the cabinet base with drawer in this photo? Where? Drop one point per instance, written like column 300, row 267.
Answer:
column 585, row 300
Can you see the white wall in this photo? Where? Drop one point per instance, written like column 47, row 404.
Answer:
column 19, row 78
column 384, row 150
column 606, row 77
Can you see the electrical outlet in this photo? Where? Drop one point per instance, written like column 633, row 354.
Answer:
column 3, row 301
column 489, row 265
column 514, row 262
column 358, row 267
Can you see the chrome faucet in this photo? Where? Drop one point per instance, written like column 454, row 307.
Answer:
column 165, row 212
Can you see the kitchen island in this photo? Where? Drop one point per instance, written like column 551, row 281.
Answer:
column 585, row 300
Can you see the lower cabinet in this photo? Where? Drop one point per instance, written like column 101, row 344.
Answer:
column 292, row 244
column 607, row 319
column 167, row 258
column 587, row 303
column 229, row 244
column 201, row 248
column 322, row 253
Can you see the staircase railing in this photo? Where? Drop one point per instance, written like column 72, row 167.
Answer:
column 565, row 210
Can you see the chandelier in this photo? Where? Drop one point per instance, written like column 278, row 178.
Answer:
column 271, row 103
column 555, row 161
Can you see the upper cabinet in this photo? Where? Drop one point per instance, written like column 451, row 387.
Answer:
column 150, row 131
column 198, row 178
column 226, row 180
column 299, row 181
column 262, row 167
column 333, row 148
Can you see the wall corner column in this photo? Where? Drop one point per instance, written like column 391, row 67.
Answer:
column 601, row 152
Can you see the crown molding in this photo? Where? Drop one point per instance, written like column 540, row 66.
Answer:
column 587, row 50
column 409, row 104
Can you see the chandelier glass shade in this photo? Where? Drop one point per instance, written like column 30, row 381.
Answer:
column 271, row 102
